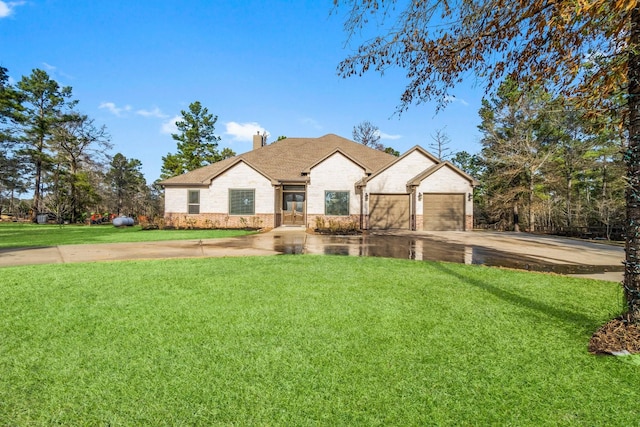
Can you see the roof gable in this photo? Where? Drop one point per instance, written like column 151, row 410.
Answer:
column 435, row 168
column 336, row 151
column 206, row 174
column 400, row 159
column 234, row 164
column 288, row 159
column 200, row 176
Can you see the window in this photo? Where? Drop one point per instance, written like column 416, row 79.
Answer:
column 194, row 202
column 242, row 202
column 336, row 203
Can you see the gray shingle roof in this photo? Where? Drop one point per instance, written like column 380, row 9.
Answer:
column 285, row 160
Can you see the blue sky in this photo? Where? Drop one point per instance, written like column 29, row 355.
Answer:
column 258, row 65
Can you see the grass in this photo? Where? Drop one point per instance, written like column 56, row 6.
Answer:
column 25, row 234
column 306, row 340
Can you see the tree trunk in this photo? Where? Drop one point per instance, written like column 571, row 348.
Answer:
column 74, row 190
column 569, row 207
column 37, row 196
column 532, row 219
column 37, row 193
column 632, row 159
column 605, row 214
column 516, row 218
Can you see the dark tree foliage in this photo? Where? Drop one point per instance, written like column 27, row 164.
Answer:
column 44, row 104
column 196, row 142
column 126, row 181
column 78, row 144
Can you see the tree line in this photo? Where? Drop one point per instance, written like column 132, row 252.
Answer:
column 546, row 165
column 49, row 149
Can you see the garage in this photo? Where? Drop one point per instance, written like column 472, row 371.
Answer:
column 388, row 211
column 443, row 212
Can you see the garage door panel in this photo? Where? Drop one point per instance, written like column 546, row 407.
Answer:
column 387, row 211
column 443, row 212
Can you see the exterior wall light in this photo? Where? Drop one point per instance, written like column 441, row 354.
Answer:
column 469, row 197
column 419, row 197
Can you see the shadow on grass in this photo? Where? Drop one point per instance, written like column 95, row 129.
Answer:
column 587, row 324
column 23, row 248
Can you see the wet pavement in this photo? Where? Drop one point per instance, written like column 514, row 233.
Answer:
column 510, row 250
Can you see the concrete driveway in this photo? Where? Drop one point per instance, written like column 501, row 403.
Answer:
column 511, row 250
column 597, row 259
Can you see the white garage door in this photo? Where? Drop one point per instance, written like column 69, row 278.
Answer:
column 389, row 211
column 443, row 212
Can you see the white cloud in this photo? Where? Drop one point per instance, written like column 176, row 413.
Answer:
column 452, row 98
column 169, row 126
column 6, row 8
column 113, row 109
column 388, row 136
column 310, row 122
column 156, row 112
column 55, row 72
column 243, row 132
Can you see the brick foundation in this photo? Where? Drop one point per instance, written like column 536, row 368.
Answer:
column 215, row 220
column 343, row 222
column 468, row 223
column 222, row 221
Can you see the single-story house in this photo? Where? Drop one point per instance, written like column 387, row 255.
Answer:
column 304, row 181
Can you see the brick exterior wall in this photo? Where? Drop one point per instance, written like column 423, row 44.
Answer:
column 335, row 173
column 419, row 222
column 344, row 222
column 217, row 220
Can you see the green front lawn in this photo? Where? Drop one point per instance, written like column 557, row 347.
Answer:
column 306, row 340
column 26, row 234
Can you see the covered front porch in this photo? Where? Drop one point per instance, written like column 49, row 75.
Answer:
column 291, row 204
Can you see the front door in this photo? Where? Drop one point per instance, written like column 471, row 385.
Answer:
column 293, row 204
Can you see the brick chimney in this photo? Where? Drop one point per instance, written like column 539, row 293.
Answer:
column 259, row 141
